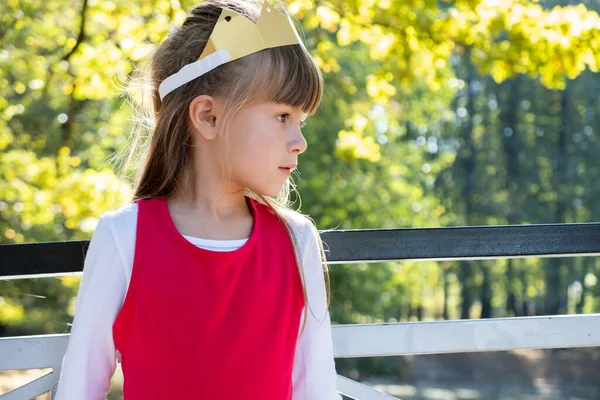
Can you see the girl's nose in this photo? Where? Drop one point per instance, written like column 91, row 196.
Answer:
column 298, row 144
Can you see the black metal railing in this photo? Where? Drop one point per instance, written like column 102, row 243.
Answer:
column 455, row 243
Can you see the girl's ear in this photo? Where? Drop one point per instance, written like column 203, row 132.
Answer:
column 204, row 111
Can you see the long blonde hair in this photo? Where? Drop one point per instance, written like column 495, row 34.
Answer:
column 161, row 150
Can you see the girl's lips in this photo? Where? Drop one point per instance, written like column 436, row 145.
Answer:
column 286, row 171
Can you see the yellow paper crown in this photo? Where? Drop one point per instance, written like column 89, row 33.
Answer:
column 235, row 36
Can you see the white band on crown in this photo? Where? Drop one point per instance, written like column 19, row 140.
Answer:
column 192, row 71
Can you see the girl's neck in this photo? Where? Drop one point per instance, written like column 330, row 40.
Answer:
column 210, row 195
column 216, row 207
column 211, row 214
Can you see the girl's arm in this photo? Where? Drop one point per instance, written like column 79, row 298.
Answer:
column 90, row 360
column 314, row 374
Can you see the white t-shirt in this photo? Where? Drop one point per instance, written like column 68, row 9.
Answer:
column 216, row 245
column 90, row 360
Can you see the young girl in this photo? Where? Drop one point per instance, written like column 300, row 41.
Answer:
column 206, row 284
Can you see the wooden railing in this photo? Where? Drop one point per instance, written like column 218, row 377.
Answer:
column 368, row 340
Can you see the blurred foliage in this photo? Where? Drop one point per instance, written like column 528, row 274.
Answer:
column 436, row 113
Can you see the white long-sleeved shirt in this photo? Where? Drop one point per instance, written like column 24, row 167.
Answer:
column 90, row 360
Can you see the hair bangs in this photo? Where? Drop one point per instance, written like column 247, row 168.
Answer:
column 288, row 75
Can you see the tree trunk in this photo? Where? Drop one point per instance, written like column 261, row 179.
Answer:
column 556, row 290
column 553, row 285
column 466, row 291
column 511, row 143
column 511, row 300
column 468, row 157
column 486, row 293
column 524, row 295
column 446, row 288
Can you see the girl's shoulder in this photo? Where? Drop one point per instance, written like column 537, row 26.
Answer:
column 116, row 232
column 121, row 224
column 122, row 216
column 302, row 225
column 296, row 218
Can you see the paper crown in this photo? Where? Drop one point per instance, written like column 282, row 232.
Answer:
column 233, row 37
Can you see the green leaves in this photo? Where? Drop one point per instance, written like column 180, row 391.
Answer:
column 413, row 90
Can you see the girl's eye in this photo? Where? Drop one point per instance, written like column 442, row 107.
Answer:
column 283, row 118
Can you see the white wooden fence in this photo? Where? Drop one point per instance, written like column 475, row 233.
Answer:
column 369, row 340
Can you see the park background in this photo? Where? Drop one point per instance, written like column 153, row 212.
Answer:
column 435, row 113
